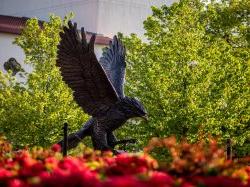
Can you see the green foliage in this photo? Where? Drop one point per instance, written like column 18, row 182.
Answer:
column 192, row 73
column 33, row 113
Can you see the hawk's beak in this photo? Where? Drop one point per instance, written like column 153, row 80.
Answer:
column 145, row 118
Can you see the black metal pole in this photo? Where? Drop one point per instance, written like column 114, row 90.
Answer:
column 229, row 149
column 65, row 139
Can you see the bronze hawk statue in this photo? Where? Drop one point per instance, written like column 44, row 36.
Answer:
column 98, row 87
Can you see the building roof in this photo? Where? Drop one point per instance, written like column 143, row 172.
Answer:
column 14, row 25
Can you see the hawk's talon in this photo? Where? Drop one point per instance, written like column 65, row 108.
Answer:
column 117, row 152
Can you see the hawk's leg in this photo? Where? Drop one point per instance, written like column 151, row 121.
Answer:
column 111, row 139
column 99, row 138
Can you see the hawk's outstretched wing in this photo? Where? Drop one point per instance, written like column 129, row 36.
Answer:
column 82, row 72
column 113, row 62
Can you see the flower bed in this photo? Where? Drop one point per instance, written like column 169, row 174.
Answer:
column 192, row 165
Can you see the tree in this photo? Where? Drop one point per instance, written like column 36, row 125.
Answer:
column 192, row 72
column 33, row 113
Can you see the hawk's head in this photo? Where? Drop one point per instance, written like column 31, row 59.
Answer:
column 132, row 107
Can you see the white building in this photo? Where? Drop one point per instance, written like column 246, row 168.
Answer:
column 10, row 28
column 104, row 17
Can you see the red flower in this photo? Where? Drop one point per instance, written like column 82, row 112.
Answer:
column 123, row 181
column 16, row 183
column 218, row 181
column 161, row 179
column 4, row 173
column 187, row 184
column 125, row 164
column 56, row 148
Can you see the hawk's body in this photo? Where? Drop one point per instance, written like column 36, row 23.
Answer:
column 97, row 86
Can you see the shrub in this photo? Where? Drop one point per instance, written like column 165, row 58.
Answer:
column 46, row 167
